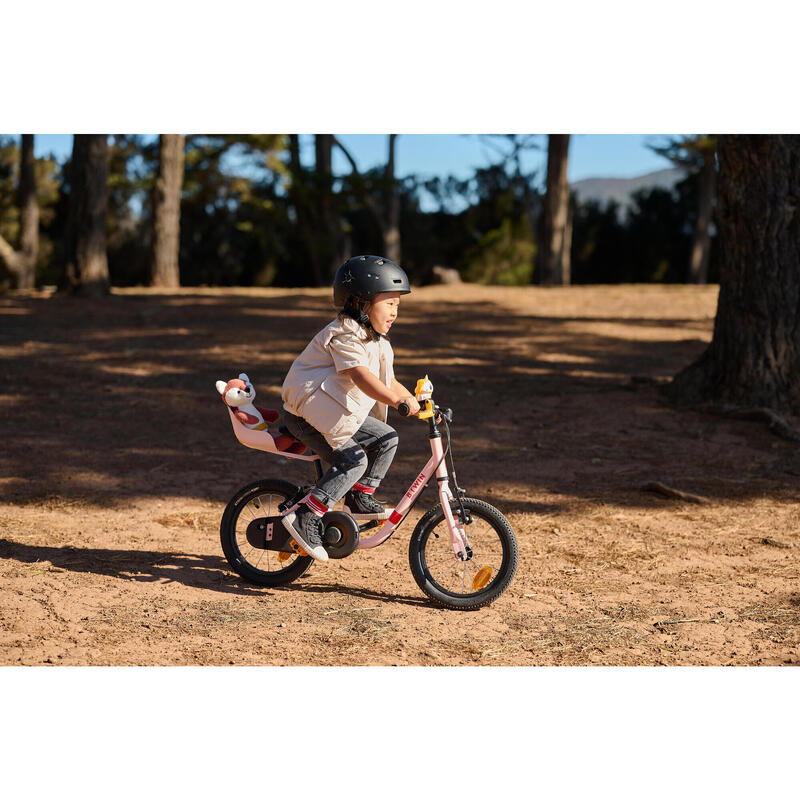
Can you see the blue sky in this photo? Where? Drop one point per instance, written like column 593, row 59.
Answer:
column 429, row 155
column 591, row 155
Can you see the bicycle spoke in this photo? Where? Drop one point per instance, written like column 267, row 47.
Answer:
column 260, row 565
column 452, row 574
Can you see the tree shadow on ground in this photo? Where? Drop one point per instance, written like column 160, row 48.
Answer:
column 141, row 566
column 195, row 571
column 129, row 409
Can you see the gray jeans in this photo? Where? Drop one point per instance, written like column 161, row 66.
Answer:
column 365, row 457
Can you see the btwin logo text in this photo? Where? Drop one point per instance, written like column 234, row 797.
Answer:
column 416, row 485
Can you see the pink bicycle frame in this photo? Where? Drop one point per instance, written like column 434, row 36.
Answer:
column 262, row 440
column 436, row 464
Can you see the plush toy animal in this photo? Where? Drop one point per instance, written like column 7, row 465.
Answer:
column 423, row 393
column 238, row 394
column 423, row 389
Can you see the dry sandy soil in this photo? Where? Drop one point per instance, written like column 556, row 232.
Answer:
column 118, row 458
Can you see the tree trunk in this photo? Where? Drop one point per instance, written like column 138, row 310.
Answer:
column 566, row 247
column 391, row 228
column 754, row 356
column 323, row 148
column 556, row 202
column 298, row 196
column 87, row 267
column 329, row 252
column 165, row 246
column 701, row 242
column 21, row 263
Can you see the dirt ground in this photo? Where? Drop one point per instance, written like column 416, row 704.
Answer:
column 118, row 459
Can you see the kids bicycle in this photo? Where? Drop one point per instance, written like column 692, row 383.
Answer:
column 463, row 553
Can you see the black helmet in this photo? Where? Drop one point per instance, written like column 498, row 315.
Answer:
column 365, row 276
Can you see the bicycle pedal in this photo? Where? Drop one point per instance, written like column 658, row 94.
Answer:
column 297, row 549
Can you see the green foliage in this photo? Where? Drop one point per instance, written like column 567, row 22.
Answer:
column 234, row 214
column 9, row 169
column 48, row 180
column 251, row 214
column 689, row 152
column 649, row 243
column 503, row 255
column 131, row 176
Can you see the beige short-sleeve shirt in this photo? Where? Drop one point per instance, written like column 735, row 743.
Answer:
column 315, row 389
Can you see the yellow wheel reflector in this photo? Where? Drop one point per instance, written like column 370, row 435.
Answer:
column 283, row 557
column 482, row 577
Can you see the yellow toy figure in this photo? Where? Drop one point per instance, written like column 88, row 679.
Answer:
column 424, row 392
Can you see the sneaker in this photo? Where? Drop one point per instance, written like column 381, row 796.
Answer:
column 306, row 529
column 364, row 506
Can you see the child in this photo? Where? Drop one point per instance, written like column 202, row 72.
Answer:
column 336, row 393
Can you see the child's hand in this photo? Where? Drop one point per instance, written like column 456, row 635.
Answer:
column 413, row 405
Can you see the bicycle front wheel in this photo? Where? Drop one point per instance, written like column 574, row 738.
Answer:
column 264, row 567
column 464, row 585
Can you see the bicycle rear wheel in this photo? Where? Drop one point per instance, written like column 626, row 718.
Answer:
column 264, row 567
column 464, row 585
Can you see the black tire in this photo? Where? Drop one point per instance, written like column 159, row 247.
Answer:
column 254, row 565
column 436, row 569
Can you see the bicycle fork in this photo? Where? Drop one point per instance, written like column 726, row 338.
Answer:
column 458, row 535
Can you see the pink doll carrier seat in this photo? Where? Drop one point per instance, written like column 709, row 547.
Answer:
column 280, row 444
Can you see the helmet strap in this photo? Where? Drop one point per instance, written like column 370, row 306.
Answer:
column 354, row 309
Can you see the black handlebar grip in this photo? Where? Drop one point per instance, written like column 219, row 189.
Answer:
column 403, row 409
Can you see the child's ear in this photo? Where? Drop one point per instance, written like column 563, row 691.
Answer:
column 221, row 386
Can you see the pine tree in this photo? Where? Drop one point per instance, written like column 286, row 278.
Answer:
column 87, row 263
column 754, row 357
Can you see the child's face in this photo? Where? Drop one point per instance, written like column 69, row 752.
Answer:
column 382, row 311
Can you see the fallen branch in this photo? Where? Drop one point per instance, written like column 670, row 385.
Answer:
column 668, row 491
column 675, row 622
column 771, row 542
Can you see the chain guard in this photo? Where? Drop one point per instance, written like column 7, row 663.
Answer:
column 340, row 534
column 268, row 533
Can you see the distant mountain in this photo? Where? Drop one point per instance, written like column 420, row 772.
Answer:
column 620, row 189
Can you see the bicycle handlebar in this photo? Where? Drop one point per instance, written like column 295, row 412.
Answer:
column 445, row 413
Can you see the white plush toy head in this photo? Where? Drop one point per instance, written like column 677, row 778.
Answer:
column 237, row 392
column 424, row 389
